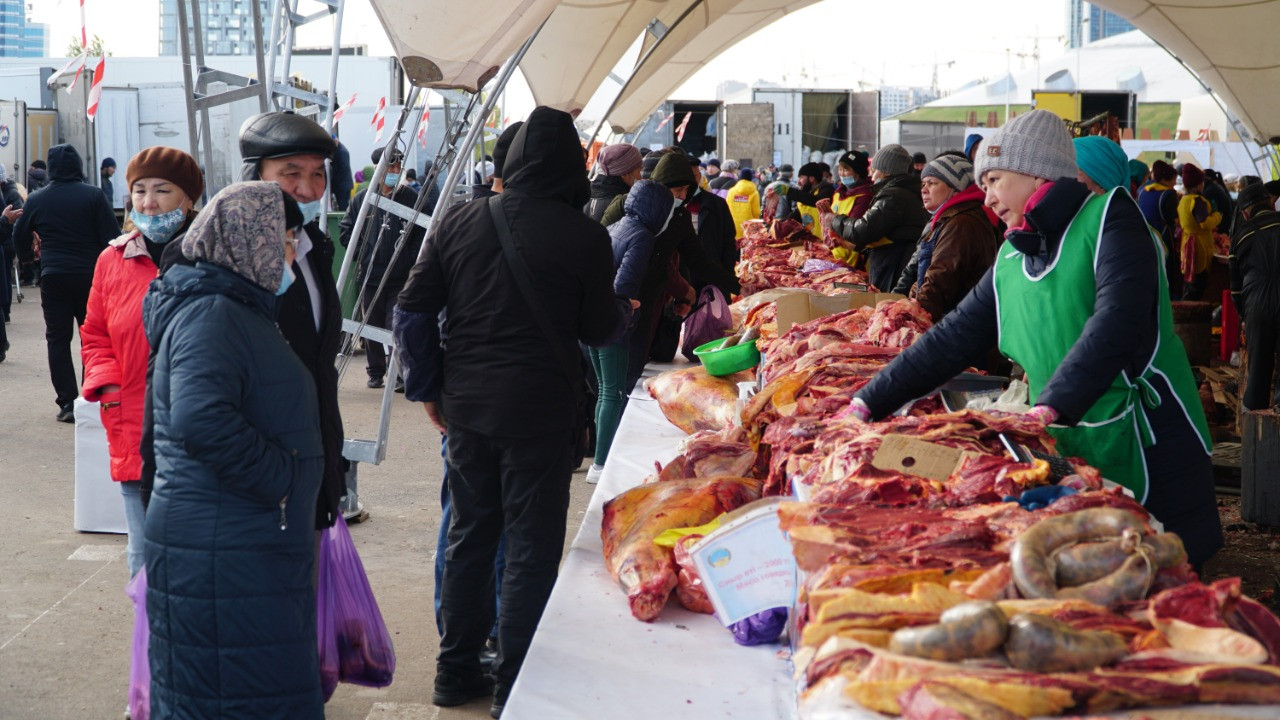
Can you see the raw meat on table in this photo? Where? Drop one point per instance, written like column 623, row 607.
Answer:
column 693, row 400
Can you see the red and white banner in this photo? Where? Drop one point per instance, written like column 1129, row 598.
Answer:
column 337, row 114
column 379, row 120
column 1203, row 135
column 95, row 92
column 665, row 120
column 683, row 124
column 422, row 128
column 77, row 61
column 84, row 36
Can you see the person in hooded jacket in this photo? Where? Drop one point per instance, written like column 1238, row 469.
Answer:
column 74, row 222
column 376, row 249
column 505, row 393
column 230, row 528
column 1255, row 288
column 164, row 184
column 958, row 244
column 713, row 223
column 620, row 166
column 647, row 210
column 887, row 232
column 1077, row 299
column 11, row 200
column 501, row 147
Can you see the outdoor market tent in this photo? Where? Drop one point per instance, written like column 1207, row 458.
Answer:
column 1229, row 44
column 442, row 43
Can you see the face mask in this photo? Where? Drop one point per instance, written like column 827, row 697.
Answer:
column 160, row 228
column 310, row 211
column 285, row 281
column 679, row 202
column 1277, row 206
column 667, row 222
column 848, row 180
column 391, row 179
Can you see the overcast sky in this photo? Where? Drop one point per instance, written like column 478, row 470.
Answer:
column 833, row 44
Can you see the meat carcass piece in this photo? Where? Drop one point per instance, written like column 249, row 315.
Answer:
column 1194, row 619
column 693, row 400
column 769, row 208
column 897, row 323
column 711, row 454
column 938, row 701
column 633, row 519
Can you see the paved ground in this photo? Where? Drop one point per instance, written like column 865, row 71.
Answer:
column 65, row 624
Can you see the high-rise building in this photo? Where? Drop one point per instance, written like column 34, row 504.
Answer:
column 19, row 37
column 897, row 100
column 227, row 26
column 1094, row 25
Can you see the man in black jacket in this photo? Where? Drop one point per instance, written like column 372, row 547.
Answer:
column 290, row 149
column 888, row 231
column 11, row 201
column 375, row 250
column 75, row 223
column 504, row 392
column 714, row 224
column 1255, row 288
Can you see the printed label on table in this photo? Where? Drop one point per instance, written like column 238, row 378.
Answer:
column 747, row 565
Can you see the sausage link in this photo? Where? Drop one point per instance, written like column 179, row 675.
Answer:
column 967, row 630
column 1030, row 555
column 1128, row 583
column 1086, row 562
column 1038, row 643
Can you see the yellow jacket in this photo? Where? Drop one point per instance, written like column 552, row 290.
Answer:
column 1199, row 232
column 744, row 204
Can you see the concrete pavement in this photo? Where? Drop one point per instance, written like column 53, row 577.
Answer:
column 65, row 623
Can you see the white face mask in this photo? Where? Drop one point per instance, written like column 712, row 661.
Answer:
column 667, row 222
column 1277, row 206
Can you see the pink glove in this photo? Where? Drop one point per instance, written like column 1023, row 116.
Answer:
column 1043, row 414
column 858, row 409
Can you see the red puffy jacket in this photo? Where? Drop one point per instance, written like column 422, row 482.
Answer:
column 114, row 348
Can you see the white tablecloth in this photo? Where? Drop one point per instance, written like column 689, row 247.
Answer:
column 590, row 659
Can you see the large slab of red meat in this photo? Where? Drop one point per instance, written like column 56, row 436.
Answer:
column 774, row 255
column 633, row 519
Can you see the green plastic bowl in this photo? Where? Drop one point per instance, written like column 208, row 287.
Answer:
column 727, row 361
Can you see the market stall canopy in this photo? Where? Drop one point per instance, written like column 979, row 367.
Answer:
column 583, row 41
column 1229, row 44
column 707, row 29
column 445, row 44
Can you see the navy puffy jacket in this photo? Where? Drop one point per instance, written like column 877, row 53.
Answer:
column 230, row 527
column 645, row 211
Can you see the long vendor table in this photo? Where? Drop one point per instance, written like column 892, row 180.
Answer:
column 591, row 660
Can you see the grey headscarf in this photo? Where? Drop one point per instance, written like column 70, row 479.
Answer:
column 242, row 229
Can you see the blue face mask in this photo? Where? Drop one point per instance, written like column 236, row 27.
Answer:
column 391, row 179
column 848, row 180
column 285, row 281
column 161, row 228
column 310, row 211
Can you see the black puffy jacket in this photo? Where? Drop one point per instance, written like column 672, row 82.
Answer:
column 382, row 231
column 1255, row 265
column 230, row 538
column 647, row 208
column 73, row 218
column 603, row 190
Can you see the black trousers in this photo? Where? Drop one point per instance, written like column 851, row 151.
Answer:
column 63, row 298
column 1263, row 336
column 516, row 486
column 378, row 313
column 1195, row 289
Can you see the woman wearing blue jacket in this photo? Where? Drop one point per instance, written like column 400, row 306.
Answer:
column 229, row 530
column 646, row 212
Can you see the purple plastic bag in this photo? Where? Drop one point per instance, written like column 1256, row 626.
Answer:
column 349, row 624
column 139, row 665
column 708, row 320
column 814, row 265
column 763, row 627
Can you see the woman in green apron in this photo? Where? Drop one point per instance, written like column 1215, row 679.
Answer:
column 1077, row 297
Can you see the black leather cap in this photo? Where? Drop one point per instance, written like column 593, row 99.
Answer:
column 280, row 134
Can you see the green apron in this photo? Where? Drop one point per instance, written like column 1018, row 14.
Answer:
column 1040, row 320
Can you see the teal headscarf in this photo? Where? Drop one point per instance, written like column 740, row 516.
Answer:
column 1103, row 161
column 1137, row 172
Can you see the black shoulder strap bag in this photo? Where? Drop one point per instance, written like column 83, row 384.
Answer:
column 567, row 365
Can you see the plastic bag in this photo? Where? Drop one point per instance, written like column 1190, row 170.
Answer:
column 139, row 664
column 710, row 319
column 693, row 596
column 349, row 626
column 763, row 627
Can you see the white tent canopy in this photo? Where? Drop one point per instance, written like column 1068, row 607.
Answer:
column 449, row 44
column 708, row 29
column 1230, row 44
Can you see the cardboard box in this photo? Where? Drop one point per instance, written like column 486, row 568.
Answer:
column 801, row 308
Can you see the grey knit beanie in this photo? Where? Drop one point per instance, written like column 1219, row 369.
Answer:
column 956, row 172
column 1035, row 144
column 892, row 160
